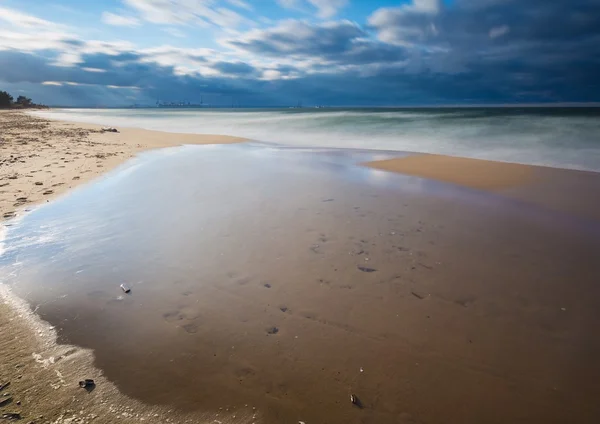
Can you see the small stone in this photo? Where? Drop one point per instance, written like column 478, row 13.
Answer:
column 366, row 269
column 48, row 192
column 87, row 383
column 39, row 183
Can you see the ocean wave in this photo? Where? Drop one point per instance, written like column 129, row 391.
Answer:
column 537, row 137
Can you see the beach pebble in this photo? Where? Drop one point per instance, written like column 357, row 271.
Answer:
column 39, row 183
column 366, row 269
column 88, row 382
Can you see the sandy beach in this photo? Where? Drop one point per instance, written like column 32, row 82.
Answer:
column 447, row 291
column 41, row 160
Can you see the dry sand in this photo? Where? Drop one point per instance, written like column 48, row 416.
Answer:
column 474, row 173
column 41, row 159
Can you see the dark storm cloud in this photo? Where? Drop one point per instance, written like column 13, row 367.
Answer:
column 341, row 42
column 299, row 38
column 468, row 51
column 234, row 68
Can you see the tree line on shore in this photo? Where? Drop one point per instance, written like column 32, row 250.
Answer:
column 7, row 102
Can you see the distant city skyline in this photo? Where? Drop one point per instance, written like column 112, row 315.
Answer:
column 317, row 52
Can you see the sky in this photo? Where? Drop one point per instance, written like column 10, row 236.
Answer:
column 269, row 53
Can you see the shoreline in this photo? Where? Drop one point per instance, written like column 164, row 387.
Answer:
column 42, row 373
column 41, row 159
column 49, row 386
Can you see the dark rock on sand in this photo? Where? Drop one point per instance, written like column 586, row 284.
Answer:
column 366, row 269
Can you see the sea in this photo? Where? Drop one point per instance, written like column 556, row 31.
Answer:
column 561, row 137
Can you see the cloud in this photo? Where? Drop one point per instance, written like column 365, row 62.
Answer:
column 234, row 68
column 119, row 20
column 328, row 8
column 240, row 4
column 186, row 12
column 499, row 31
column 22, row 20
column 408, row 24
column 423, row 52
column 325, row 8
column 299, row 38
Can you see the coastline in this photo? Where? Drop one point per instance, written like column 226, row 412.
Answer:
column 44, row 375
column 51, row 388
column 41, row 159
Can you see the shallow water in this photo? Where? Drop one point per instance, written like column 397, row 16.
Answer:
column 244, row 260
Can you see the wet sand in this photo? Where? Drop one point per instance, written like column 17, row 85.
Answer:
column 564, row 190
column 295, row 279
column 39, row 161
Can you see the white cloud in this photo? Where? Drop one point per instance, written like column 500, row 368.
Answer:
column 407, row 24
column 68, row 59
column 126, row 87
column 325, row 8
column 55, row 83
column 184, row 12
column 119, row 20
column 22, row 20
column 34, row 41
column 426, row 6
column 240, row 4
column 499, row 31
column 328, row 8
column 96, row 70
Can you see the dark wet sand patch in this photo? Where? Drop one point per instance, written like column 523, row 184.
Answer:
column 465, row 307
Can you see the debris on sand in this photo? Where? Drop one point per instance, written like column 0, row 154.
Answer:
column 355, row 401
column 366, row 269
column 125, row 288
column 87, row 383
column 10, row 416
column 417, row 295
column 272, row 330
column 109, row 129
column 45, row 193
